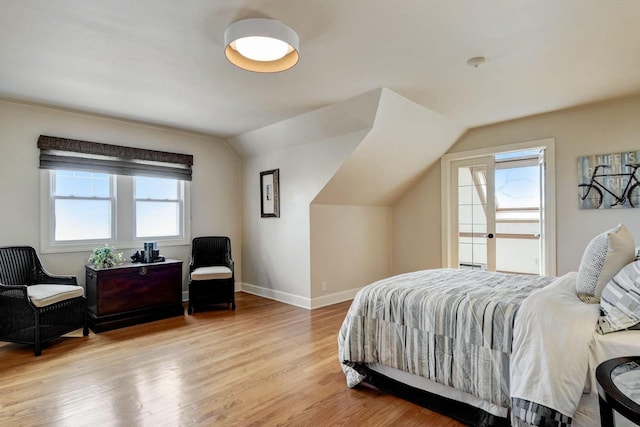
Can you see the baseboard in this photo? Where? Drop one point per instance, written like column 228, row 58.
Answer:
column 273, row 294
column 334, row 298
column 297, row 300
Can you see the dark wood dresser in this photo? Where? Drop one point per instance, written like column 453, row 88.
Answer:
column 133, row 293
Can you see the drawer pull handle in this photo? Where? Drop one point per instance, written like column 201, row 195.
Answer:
column 142, row 271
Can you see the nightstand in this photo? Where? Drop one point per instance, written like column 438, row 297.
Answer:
column 619, row 389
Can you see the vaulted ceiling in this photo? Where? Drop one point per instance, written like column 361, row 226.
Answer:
column 162, row 61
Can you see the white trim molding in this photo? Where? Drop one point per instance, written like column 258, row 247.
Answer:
column 276, row 295
column 297, row 300
column 334, row 298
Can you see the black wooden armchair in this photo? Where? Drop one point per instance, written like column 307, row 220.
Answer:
column 211, row 274
column 35, row 306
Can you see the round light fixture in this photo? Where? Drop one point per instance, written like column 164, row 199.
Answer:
column 261, row 45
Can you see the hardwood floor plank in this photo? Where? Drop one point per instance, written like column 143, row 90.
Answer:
column 266, row 363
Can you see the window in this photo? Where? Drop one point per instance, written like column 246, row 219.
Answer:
column 82, row 206
column 94, row 193
column 83, row 209
column 158, row 207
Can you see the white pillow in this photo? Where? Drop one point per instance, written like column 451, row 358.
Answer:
column 620, row 301
column 603, row 257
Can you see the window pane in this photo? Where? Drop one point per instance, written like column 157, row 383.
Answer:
column 157, row 219
column 81, row 184
column 82, row 220
column 64, row 185
column 101, row 186
column 156, row 188
column 142, row 187
column 518, row 187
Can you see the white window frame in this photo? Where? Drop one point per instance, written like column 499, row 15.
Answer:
column 549, row 196
column 123, row 219
column 52, row 203
column 179, row 201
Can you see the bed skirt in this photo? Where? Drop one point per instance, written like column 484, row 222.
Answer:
column 460, row 411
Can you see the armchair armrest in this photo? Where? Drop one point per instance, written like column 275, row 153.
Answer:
column 43, row 276
column 14, row 306
column 13, row 291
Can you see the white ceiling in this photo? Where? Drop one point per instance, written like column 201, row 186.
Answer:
column 162, row 61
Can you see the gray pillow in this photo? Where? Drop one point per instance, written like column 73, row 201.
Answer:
column 603, row 257
column 620, row 301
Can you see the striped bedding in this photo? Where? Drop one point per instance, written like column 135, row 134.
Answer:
column 451, row 326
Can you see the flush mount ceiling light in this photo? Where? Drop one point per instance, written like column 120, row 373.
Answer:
column 261, row 45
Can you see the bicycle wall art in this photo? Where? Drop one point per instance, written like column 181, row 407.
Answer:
column 609, row 181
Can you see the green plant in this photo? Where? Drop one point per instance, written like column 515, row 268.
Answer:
column 106, row 256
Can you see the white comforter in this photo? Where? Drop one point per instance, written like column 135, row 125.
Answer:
column 551, row 339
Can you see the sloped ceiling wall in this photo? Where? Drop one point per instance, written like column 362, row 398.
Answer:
column 350, row 116
column 405, row 139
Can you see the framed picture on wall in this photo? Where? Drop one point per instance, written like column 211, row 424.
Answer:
column 608, row 181
column 269, row 194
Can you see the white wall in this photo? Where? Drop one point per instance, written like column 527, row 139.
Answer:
column 350, row 248
column 276, row 251
column 416, row 225
column 606, row 127
column 215, row 189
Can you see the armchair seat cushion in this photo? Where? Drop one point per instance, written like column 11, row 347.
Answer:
column 44, row 295
column 211, row 273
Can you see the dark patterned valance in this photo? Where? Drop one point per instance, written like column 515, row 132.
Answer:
column 73, row 154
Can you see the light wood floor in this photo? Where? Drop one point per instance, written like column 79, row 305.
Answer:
column 267, row 363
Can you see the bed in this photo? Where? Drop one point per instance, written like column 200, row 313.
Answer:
column 486, row 348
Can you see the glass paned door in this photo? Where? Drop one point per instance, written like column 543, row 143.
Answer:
column 498, row 209
column 474, row 201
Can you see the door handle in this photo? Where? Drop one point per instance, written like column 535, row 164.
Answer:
column 490, row 235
